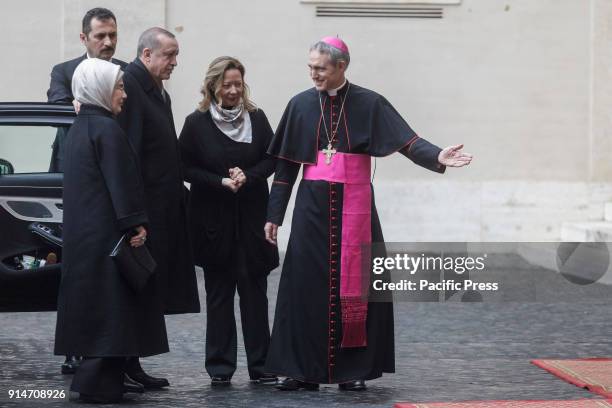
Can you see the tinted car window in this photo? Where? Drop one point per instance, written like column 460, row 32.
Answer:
column 33, row 149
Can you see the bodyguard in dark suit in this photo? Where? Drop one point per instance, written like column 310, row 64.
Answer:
column 99, row 36
column 61, row 79
column 148, row 122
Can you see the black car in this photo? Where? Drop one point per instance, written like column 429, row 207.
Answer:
column 31, row 136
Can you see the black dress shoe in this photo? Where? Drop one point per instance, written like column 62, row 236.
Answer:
column 265, row 380
column 129, row 385
column 289, row 384
column 150, row 383
column 357, row 385
column 220, row 381
column 71, row 364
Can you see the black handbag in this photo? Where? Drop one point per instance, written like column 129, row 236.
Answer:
column 135, row 264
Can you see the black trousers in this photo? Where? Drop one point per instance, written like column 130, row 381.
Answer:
column 100, row 377
column 221, row 342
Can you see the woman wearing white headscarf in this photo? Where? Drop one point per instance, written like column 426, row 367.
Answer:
column 99, row 316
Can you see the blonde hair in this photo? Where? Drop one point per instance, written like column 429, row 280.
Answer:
column 213, row 81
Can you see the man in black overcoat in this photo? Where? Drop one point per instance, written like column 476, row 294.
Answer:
column 148, row 122
column 99, row 36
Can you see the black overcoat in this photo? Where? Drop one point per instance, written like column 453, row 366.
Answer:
column 98, row 313
column 221, row 219
column 148, row 122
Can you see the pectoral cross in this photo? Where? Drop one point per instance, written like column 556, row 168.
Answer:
column 329, row 152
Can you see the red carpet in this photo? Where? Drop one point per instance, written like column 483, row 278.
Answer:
column 590, row 403
column 594, row 374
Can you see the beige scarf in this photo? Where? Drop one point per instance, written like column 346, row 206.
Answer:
column 235, row 123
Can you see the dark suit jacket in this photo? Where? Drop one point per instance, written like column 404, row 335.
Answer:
column 60, row 91
column 60, row 88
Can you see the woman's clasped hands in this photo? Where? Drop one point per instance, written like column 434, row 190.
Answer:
column 235, row 180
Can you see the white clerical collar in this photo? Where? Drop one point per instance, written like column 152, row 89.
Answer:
column 334, row 92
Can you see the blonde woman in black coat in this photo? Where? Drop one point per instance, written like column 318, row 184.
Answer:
column 223, row 147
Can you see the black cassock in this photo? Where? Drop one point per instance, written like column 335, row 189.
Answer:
column 307, row 329
column 149, row 125
column 99, row 315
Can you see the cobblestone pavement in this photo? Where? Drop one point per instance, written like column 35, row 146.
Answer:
column 444, row 352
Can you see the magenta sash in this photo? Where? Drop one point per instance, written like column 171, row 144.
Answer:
column 352, row 170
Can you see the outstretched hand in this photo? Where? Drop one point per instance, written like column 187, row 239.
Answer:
column 452, row 156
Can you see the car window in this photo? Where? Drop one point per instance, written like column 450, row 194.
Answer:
column 6, row 167
column 32, row 149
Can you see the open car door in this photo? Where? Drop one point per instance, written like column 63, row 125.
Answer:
column 31, row 137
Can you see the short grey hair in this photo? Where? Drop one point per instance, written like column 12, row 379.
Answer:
column 150, row 39
column 334, row 53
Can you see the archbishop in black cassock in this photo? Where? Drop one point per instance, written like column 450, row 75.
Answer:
column 307, row 332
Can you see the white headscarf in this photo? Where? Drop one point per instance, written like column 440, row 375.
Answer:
column 93, row 82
